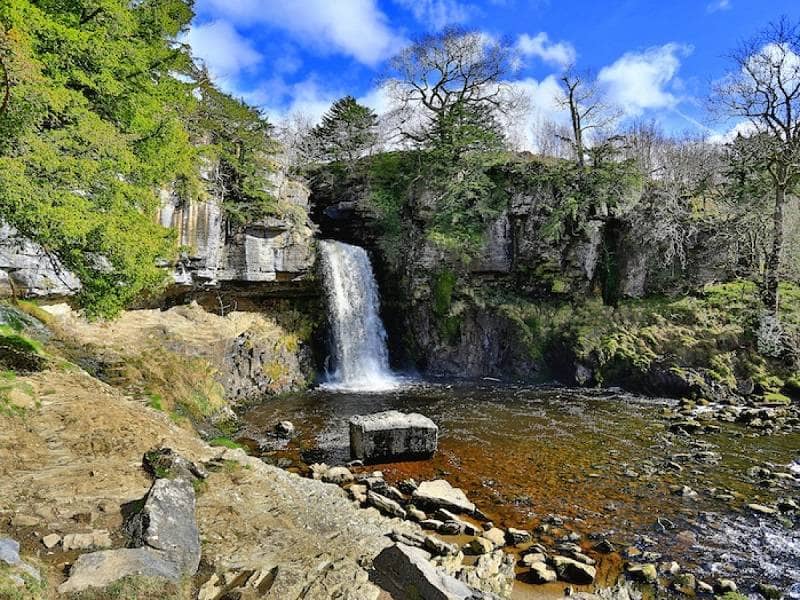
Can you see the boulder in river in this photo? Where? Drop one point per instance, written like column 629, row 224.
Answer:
column 572, row 571
column 392, row 435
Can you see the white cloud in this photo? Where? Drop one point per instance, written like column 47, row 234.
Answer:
column 354, row 27
column 639, row 81
column 718, row 5
column 437, row 14
column 226, row 53
column 744, row 128
column 561, row 54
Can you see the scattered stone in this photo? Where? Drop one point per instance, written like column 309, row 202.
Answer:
column 535, row 557
column 604, row 547
column 408, row 486
column 517, row 536
column 572, row 571
column 407, row 573
column 477, row 546
column 415, row 514
column 723, row 586
column 391, row 435
column 51, row 541
column 25, row 521
column 440, row 493
column 467, row 528
column 431, row 524
column 645, row 573
column 541, row 573
column 496, row 536
column 761, row 509
column 704, row 588
column 439, row 547
column 100, row 569
column 685, row 492
column 318, row 470
column 100, row 538
column 285, row 429
column 685, row 584
column 451, row 528
column 385, row 505
column 9, row 552
column 166, row 463
column 353, row 464
column 670, row 568
column 358, row 492
column 337, row 475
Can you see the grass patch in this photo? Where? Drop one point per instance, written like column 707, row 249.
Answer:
column 224, row 442
column 32, row 590
column 137, row 588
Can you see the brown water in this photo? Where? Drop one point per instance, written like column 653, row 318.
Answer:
column 602, row 462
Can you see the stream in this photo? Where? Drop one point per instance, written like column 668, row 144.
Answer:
column 602, row 464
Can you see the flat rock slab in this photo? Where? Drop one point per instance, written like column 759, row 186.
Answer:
column 392, row 435
column 100, row 569
column 440, row 493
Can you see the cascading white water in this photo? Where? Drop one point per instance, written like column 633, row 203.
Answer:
column 358, row 349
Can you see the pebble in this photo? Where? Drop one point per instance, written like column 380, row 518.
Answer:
column 51, row 541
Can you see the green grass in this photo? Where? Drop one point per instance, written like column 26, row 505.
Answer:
column 224, row 442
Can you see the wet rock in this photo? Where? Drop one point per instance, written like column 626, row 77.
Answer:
column 532, row 558
column 99, row 538
column 541, row 573
column 646, row 573
column 415, row 514
column 451, row 528
column 478, row 546
column 440, row 493
column 439, row 547
column 358, row 493
column 517, row 536
column 391, row 435
column 496, row 536
column 407, row 573
column 431, row 524
column 51, row 541
column 408, row 486
column 704, row 588
column 385, row 505
column 337, row 475
column 604, row 547
column 100, row 569
column 467, row 528
column 573, row 571
column 167, row 523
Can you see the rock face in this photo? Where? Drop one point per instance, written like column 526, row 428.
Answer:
column 407, row 573
column 221, row 254
column 392, row 435
column 28, row 271
column 99, row 569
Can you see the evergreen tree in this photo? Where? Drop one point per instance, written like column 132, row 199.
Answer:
column 347, row 132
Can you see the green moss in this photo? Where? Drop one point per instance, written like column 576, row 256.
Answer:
column 224, row 442
column 776, row 398
column 32, row 590
column 155, row 401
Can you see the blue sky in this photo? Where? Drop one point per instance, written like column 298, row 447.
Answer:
column 655, row 58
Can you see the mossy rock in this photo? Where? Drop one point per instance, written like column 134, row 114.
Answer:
column 18, row 353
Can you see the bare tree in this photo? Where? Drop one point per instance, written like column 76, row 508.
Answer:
column 551, row 139
column 446, row 77
column 764, row 88
column 588, row 109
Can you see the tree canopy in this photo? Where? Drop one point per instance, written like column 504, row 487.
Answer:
column 104, row 110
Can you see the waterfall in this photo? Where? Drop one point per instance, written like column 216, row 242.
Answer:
column 358, row 347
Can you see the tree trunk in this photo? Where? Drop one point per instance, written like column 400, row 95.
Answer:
column 769, row 293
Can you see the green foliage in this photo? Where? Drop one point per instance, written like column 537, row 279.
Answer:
column 443, row 287
column 32, row 590
column 347, row 131
column 102, row 116
column 18, row 352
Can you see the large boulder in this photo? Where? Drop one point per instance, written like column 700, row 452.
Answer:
column 392, row 435
column 167, row 523
column 406, row 572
